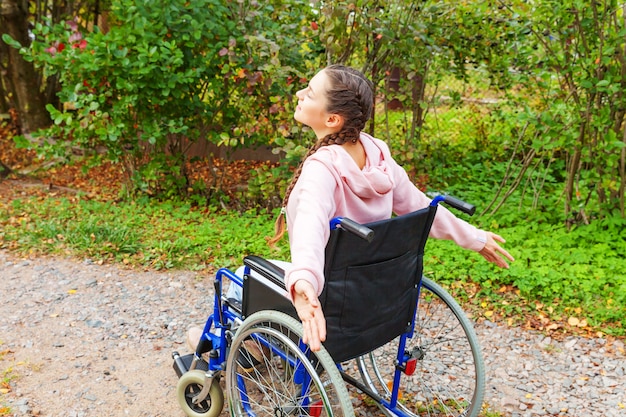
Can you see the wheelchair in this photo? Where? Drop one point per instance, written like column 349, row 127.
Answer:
column 395, row 339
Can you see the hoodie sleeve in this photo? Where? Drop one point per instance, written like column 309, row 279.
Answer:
column 408, row 198
column 311, row 205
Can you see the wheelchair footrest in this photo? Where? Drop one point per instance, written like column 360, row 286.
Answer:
column 183, row 363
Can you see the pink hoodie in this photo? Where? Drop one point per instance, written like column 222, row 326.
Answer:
column 331, row 184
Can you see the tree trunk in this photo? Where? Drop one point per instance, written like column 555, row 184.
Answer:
column 4, row 171
column 393, row 83
column 4, row 103
column 419, row 86
column 21, row 74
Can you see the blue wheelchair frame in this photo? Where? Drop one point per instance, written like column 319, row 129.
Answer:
column 218, row 332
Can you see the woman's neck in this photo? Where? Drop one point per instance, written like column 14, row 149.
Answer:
column 357, row 152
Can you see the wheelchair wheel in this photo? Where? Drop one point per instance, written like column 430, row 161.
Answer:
column 288, row 379
column 449, row 379
column 189, row 385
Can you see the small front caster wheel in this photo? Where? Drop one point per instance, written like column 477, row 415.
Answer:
column 189, row 385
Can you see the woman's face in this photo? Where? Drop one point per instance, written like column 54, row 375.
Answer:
column 311, row 109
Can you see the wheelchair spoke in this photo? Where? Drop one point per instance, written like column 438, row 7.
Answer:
column 286, row 381
column 449, row 375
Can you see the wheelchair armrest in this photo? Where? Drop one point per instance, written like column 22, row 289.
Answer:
column 265, row 288
column 266, row 269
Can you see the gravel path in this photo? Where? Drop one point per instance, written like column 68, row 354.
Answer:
column 79, row 339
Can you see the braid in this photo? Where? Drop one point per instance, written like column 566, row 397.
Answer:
column 350, row 95
column 338, row 138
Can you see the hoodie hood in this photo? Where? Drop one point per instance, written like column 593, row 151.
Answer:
column 374, row 180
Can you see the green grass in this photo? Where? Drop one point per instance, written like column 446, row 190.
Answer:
column 144, row 233
column 557, row 273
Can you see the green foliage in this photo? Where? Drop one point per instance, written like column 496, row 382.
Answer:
column 566, row 59
column 137, row 90
column 267, row 185
column 600, row 292
column 418, row 45
column 580, row 271
column 569, row 61
column 167, row 74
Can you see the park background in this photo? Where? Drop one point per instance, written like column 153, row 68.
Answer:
column 160, row 134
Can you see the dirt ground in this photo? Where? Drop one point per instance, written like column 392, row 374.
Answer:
column 78, row 339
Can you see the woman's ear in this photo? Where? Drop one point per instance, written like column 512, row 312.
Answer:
column 334, row 121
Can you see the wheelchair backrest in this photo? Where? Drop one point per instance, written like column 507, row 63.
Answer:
column 371, row 288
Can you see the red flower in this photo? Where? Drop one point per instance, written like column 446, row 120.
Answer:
column 80, row 45
column 56, row 48
column 314, row 25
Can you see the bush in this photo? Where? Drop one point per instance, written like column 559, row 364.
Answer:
column 164, row 75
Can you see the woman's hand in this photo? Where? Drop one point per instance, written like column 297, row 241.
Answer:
column 310, row 312
column 495, row 253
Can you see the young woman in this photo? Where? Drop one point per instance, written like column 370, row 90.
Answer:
column 348, row 173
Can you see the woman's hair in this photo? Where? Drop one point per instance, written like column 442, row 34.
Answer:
column 349, row 94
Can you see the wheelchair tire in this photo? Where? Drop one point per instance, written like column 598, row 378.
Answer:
column 189, row 385
column 288, row 379
column 450, row 376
